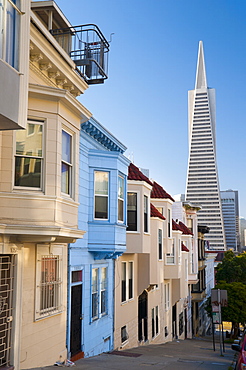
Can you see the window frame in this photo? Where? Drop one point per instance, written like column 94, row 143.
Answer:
column 101, row 195
column 51, row 253
column 70, row 165
column 155, row 322
column 146, row 214
column 170, row 257
column 169, row 223
column 127, row 284
column 10, row 38
column 32, row 158
column 100, row 291
column 160, row 244
column 121, row 199
column 136, row 211
column 124, row 328
column 167, row 296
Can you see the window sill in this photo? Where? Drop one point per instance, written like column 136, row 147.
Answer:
column 128, row 301
column 47, row 316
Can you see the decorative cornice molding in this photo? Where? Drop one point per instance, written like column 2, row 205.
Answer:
column 101, row 137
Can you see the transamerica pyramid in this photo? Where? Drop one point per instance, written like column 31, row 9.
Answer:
column 202, row 183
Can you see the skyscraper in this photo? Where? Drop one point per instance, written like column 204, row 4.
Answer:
column 230, row 210
column 202, row 184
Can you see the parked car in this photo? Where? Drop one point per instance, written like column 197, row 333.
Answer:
column 241, row 349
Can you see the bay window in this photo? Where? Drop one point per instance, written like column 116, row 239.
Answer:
column 145, row 214
column 120, row 198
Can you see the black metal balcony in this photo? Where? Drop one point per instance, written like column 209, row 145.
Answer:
column 88, row 48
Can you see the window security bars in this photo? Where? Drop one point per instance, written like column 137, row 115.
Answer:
column 7, row 267
column 88, row 48
column 50, row 285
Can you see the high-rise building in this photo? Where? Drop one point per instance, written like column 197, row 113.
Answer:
column 242, row 223
column 230, row 210
column 202, row 185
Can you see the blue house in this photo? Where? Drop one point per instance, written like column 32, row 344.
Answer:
column 102, row 215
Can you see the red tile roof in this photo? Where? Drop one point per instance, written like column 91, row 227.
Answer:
column 175, row 226
column 184, row 248
column 155, row 213
column 159, row 192
column 184, row 229
column 134, row 173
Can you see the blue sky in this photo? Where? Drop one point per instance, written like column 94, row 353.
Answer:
column 152, row 65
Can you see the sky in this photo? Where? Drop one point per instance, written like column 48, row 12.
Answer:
column 152, row 65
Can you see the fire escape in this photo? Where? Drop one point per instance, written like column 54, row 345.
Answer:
column 88, row 48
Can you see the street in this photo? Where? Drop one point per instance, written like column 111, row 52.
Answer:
column 189, row 354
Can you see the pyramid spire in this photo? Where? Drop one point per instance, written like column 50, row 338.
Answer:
column 201, row 79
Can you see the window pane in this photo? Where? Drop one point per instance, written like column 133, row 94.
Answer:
column 94, row 289
column 65, row 178
column 76, row 276
column 101, row 207
column 28, row 172
column 66, row 147
column 145, row 214
column 120, row 210
column 30, row 144
column 123, row 282
column 132, row 212
column 130, row 275
column 101, row 183
column 103, row 290
column 121, row 187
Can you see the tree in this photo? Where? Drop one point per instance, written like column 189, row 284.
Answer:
column 232, row 268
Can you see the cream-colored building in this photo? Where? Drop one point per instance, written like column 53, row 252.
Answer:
column 39, row 175
column 152, row 277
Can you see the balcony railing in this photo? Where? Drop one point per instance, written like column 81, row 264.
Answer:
column 88, row 48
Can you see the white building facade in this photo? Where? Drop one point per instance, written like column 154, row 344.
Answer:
column 202, row 184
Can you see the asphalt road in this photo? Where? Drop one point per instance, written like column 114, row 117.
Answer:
column 189, row 354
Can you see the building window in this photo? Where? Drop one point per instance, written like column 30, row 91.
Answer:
column 124, row 334
column 155, row 322
column 167, row 296
column 145, row 214
column 121, row 192
column 160, row 247
column 170, row 259
column 190, row 224
column 29, row 156
column 10, row 33
column 131, row 211
column 99, row 292
column 181, row 323
column 101, row 194
column 66, row 165
column 126, row 281
column 169, row 223
column 94, row 294
column 49, row 282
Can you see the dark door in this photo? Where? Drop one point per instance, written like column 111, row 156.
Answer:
column 186, row 323
column 143, row 316
column 7, row 265
column 76, row 319
column 174, row 323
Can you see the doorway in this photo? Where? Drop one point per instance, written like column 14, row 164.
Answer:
column 143, row 317
column 76, row 321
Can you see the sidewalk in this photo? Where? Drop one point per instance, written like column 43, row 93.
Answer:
column 188, row 354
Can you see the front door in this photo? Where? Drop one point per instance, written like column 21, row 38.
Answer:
column 174, row 324
column 143, row 316
column 7, row 266
column 76, row 319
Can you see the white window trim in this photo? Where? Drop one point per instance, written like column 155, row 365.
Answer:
column 148, row 214
column 167, row 296
column 71, row 165
column 34, row 121
column 172, row 254
column 127, row 335
column 138, row 211
column 100, row 314
column 98, row 195
column 127, row 281
column 154, row 310
column 162, row 251
column 42, row 251
column 121, row 199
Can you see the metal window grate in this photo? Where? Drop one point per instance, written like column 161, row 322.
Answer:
column 7, row 269
column 50, row 285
